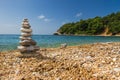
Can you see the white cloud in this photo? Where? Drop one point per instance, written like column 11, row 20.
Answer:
column 46, row 20
column 42, row 17
column 78, row 14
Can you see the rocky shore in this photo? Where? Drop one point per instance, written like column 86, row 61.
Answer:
column 99, row 61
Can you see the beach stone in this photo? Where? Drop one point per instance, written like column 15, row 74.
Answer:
column 32, row 42
column 64, row 45
column 25, row 38
column 36, row 48
column 117, row 69
column 26, row 30
column 27, row 44
column 114, row 59
column 26, row 34
column 30, row 48
column 26, row 26
column 22, row 48
column 25, row 21
column 88, row 57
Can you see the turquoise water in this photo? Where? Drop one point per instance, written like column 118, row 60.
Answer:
column 10, row 42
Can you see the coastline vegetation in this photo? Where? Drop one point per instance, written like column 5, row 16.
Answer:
column 107, row 25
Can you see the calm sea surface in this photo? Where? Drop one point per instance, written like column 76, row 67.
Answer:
column 10, row 42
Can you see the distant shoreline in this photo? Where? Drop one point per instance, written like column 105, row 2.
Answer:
column 83, row 35
column 102, row 34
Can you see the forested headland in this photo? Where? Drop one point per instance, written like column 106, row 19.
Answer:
column 105, row 26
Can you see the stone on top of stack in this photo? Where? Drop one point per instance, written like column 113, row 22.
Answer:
column 27, row 44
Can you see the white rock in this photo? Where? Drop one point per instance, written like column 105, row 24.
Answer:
column 25, row 38
column 26, row 30
column 17, row 71
column 116, row 69
column 64, row 45
column 114, row 59
column 88, row 57
column 22, row 48
column 25, row 42
column 58, row 78
column 26, row 34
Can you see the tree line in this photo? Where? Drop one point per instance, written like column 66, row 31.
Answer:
column 93, row 26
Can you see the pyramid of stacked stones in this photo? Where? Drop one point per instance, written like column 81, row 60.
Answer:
column 27, row 44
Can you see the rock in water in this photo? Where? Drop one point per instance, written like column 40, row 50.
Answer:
column 64, row 45
column 27, row 44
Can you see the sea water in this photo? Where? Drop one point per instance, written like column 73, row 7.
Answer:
column 10, row 42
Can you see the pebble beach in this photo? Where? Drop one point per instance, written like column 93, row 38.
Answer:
column 98, row 61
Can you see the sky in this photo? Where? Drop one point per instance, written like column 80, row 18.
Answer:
column 47, row 16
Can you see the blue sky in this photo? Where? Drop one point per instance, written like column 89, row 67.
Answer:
column 46, row 16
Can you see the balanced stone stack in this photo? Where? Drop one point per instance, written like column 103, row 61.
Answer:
column 27, row 44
